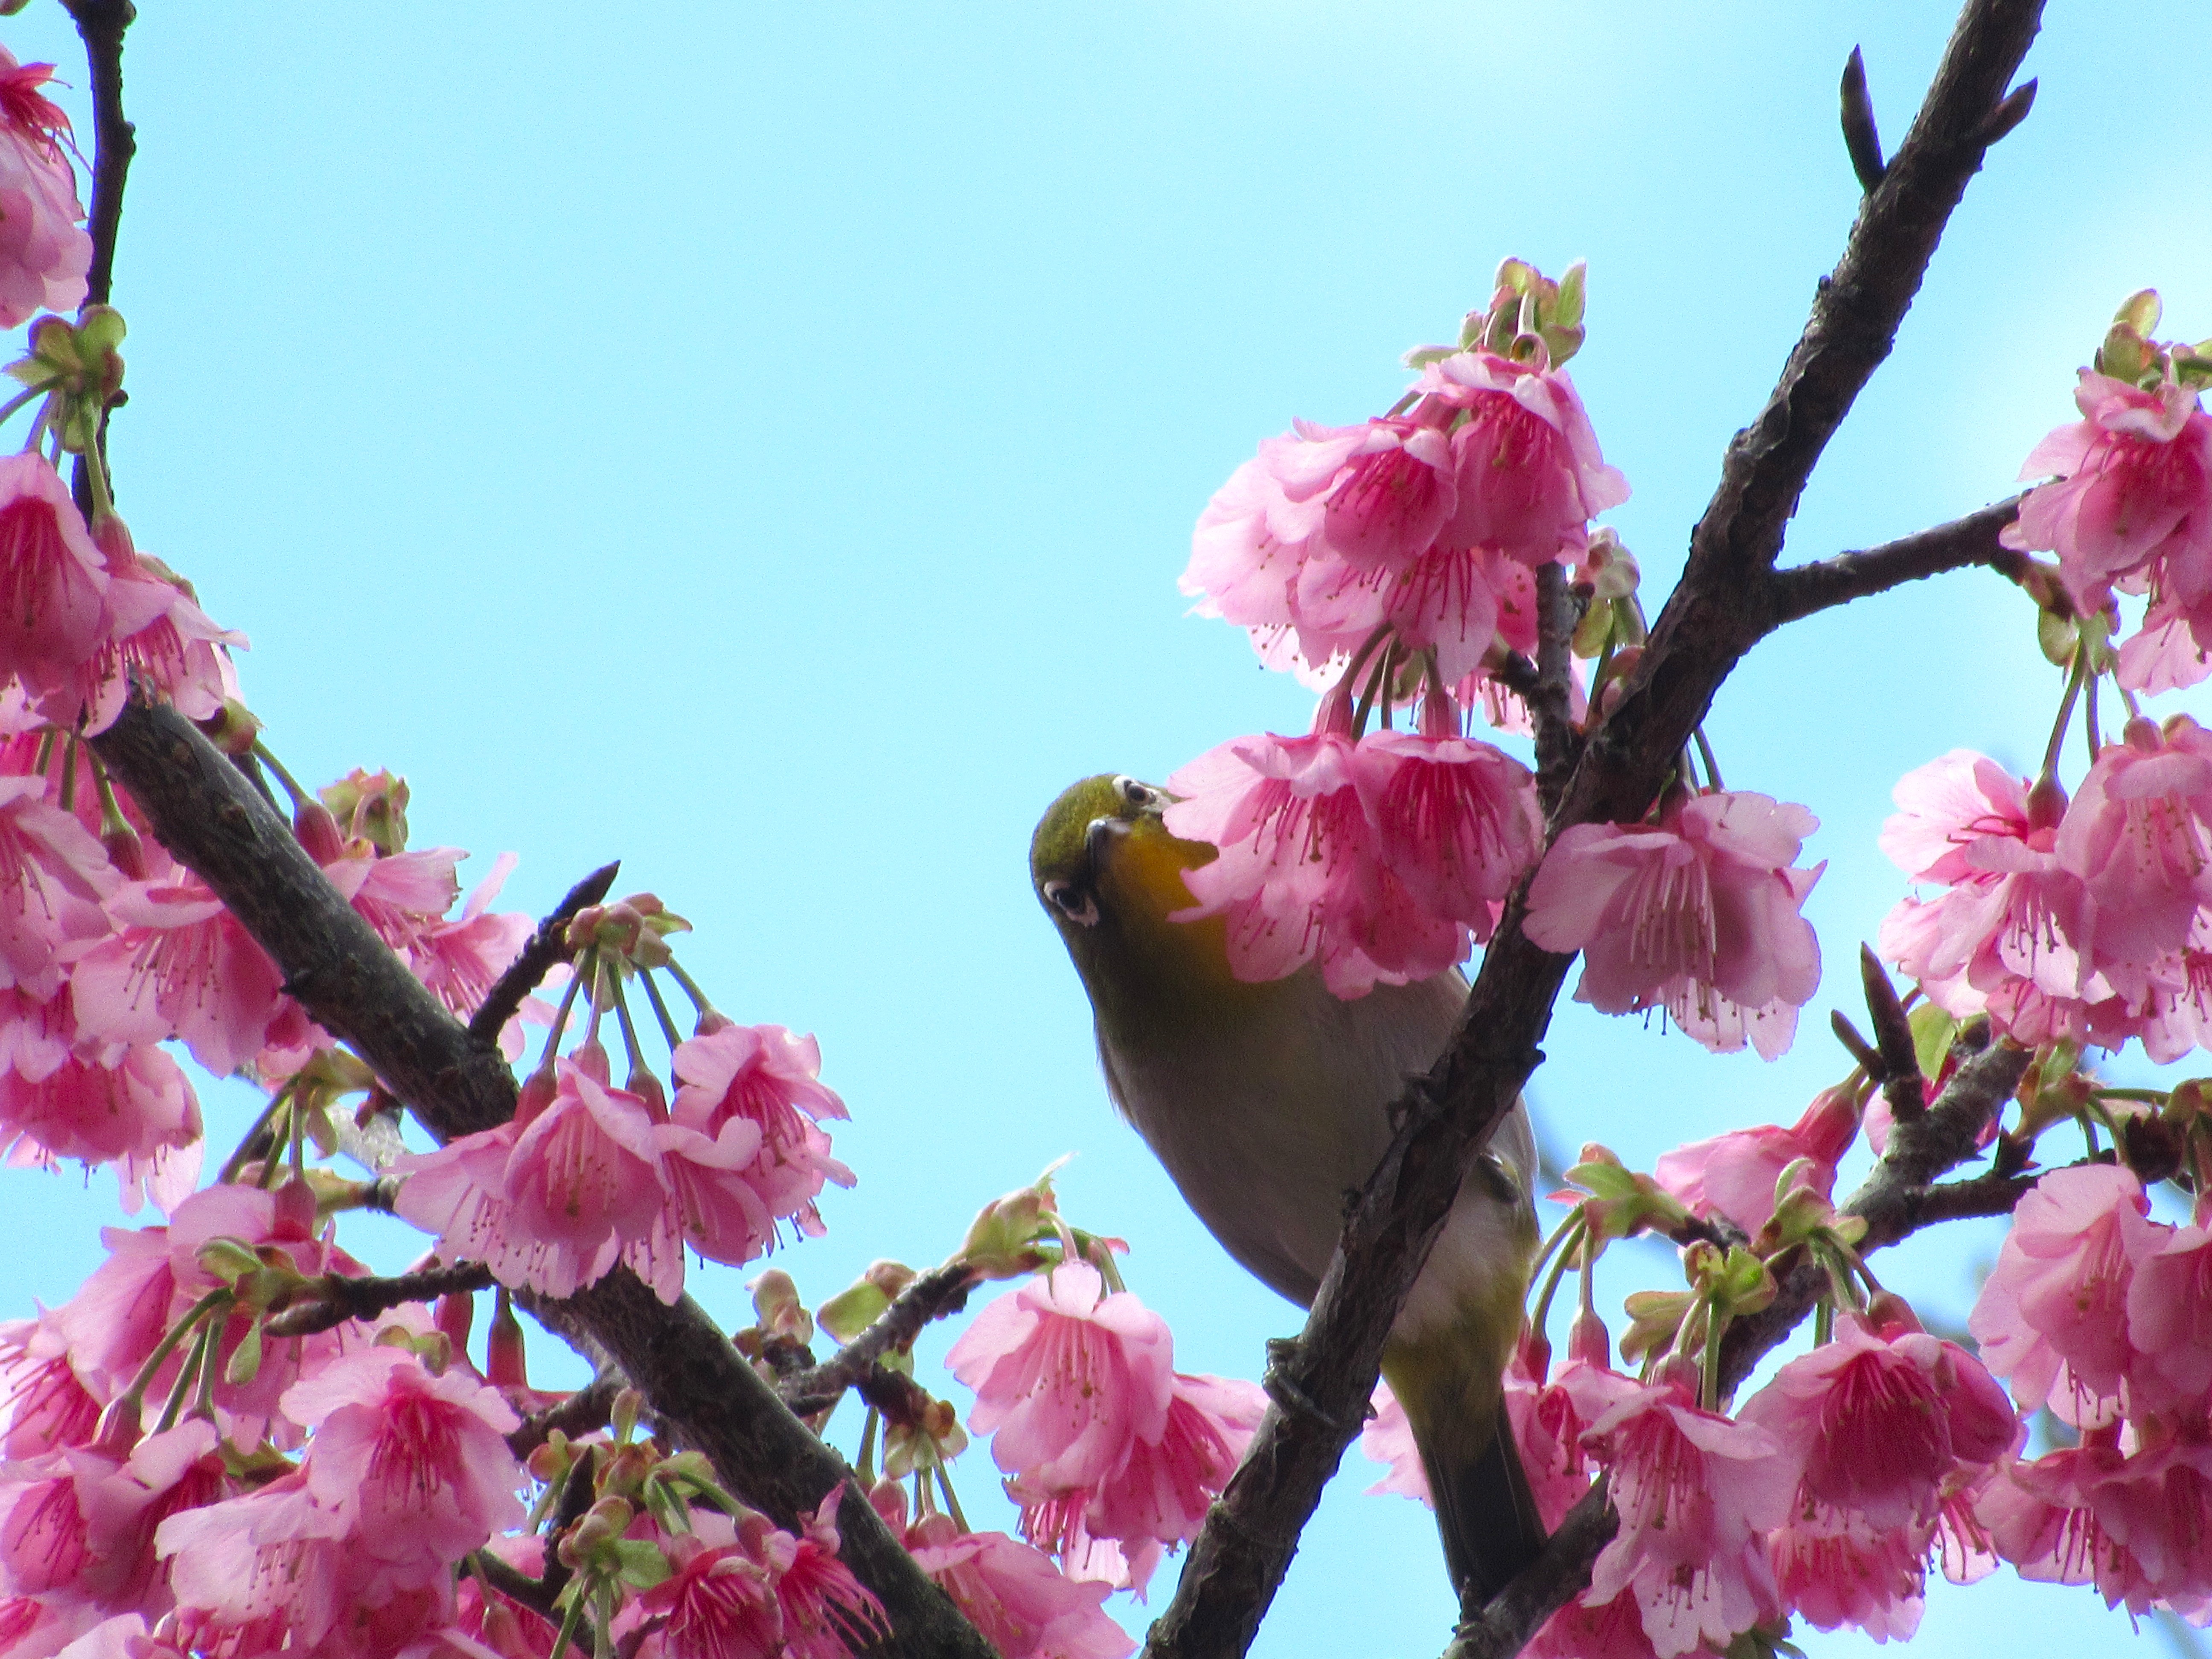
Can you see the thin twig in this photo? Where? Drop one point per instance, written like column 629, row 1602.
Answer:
column 549, row 946
column 1957, row 545
column 931, row 1295
column 101, row 25
column 1898, row 1057
column 589, row 1407
column 332, row 1299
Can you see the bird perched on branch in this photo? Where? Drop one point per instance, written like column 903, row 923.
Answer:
column 1268, row 1103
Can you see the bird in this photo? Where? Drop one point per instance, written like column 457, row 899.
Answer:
column 1268, row 1103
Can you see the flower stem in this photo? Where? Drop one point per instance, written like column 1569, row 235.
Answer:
column 237, row 1158
column 1705, row 754
column 660, row 1011
column 2065, row 717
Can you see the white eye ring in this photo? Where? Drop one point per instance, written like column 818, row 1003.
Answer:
column 1079, row 906
column 1136, row 793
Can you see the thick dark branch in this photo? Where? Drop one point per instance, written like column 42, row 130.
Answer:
column 1722, row 606
column 331, row 1300
column 932, row 1295
column 210, row 817
column 548, row 947
column 1969, row 541
column 100, row 24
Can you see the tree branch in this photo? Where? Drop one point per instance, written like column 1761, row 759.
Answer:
column 1550, row 708
column 1969, row 541
column 548, row 947
column 210, row 817
column 1546, row 1585
column 589, row 1407
column 101, row 25
column 332, row 1299
column 1722, row 606
column 933, row 1294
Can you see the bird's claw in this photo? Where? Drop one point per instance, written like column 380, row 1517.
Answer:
column 1282, row 1350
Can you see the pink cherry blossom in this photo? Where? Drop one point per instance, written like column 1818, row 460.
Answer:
column 1696, row 1494
column 2052, row 1314
column 153, row 630
column 52, row 581
column 1696, row 915
column 1530, row 477
column 1550, row 1417
column 44, row 250
column 1579, row 1630
column 415, row 1466
column 1161, row 1493
column 265, row 1571
column 1387, row 1438
column 1025, row 1607
column 1446, row 598
column 2169, row 1304
column 2131, row 509
column 765, row 1076
column 131, row 1107
column 1247, row 552
column 1386, row 500
column 556, row 1196
column 1457, row 821
column 403, row 896
column 1735, row 1175
column 123, row 1505
column 1066, row 1377
column 2136, row 831
column 2010, row 935
column 54, row 876
column 182, row 966
column 462, row 959
column 43, row 1406
column 1834, row 1568
column 1878, row 1420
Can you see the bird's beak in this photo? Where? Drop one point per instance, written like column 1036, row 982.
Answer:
column 1094, row 846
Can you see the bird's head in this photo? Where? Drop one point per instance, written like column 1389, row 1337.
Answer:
column 1109, row 873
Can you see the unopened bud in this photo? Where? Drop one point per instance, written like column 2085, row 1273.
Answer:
column 235, row 730
column 782, row 1316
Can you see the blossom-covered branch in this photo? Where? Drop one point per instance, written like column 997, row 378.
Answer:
column 204, row 809
column 1723, row 604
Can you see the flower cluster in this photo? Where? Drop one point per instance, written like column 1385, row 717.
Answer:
column 1113, row 1453
column 44, row 250
column 2088, row 919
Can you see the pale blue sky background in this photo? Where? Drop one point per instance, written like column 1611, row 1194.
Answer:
column 761, row 442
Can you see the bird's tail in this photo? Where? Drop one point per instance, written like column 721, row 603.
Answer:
column 1485, row 1508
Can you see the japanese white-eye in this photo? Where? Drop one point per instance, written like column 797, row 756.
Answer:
column 1267, row 1103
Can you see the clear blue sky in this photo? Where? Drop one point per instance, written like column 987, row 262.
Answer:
column 759, row 443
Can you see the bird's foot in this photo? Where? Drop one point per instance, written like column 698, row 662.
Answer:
column 1284, row 1352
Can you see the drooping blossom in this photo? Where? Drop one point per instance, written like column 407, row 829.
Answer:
column 129, row 1105
column 1696, row 915
column 1066, row 1376
column 1023, row 1604
column 2052, row 1314
column 2169, row 1306
column 54, row 876
column 2010, row 934
column 43, row 1405
column 766, row 1076
column 154, row 630
column 462, row 959
column 1735, row 1175
column 2131, row 509
column 181, row 965
column 554, row 1197
column 44, row 250
column 1160, row 1495
column 415, row 1466
column 52, row 583
column 1380, row 859
column 1526, row 463
column 2139, row 833
column 1696, row 1494
column 1878, row 1419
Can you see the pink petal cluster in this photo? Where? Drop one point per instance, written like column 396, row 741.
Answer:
column 2089, row 920
column 1884, row 1425
column 1415, row 522
column 1111, row 1452
column 1735, row 1175
column 1697, row 1494
column 748, row 1587
column 1697, row 915
column 586, row 1174
column 44, row 250
column 353, row 1551
column 1014, row 1593
column 2131, row 509
column 1383, row 859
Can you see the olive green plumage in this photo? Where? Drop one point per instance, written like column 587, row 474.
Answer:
column 1267, row 1104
